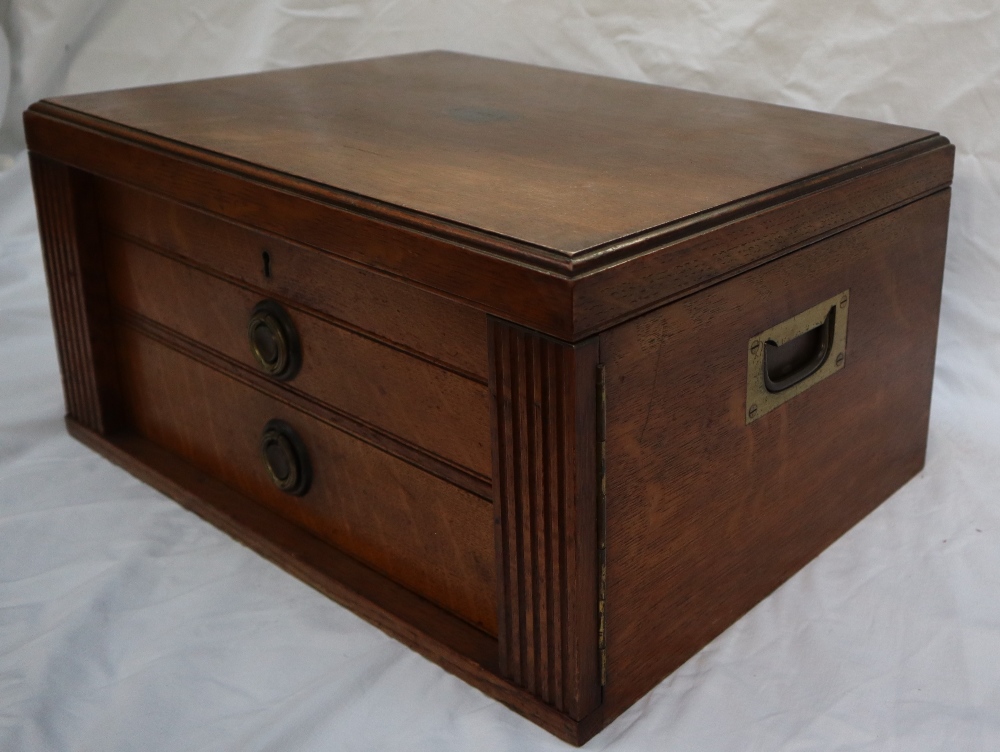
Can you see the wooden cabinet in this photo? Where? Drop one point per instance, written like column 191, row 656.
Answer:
column 551, row 376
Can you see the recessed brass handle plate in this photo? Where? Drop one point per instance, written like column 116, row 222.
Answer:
column 286, row 459
column 790, row 357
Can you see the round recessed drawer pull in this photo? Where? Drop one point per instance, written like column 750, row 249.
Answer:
column 285, row 458
column 274, row 341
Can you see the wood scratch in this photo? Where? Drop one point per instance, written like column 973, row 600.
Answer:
column 652, row 390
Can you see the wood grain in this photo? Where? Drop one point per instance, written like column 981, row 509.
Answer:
column 278, row 390
column 457, row 238
column 675, row 268
column 545, row 469
column 560, row 293
column 444, row 414
column 707, row 515
column 426, row 628
column 555, row 159
column 425, row 534
column 71, row 250
column 402, row 315
column 369, row 593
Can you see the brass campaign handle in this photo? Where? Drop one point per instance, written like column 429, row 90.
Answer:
column 787, row 364
column 795, row 355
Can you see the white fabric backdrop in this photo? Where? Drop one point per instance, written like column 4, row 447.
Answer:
column 128, row 624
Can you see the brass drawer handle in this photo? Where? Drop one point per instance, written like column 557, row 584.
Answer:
column 800, row 357
column 795, row 355
column 285, row 458
column 274, row 340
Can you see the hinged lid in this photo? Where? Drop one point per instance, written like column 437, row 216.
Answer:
column 592, row 180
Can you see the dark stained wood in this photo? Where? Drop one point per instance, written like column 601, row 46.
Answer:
column 516, row 280
column 369, row 593
column 305, row 403
column 444, row 414
column 707, row 515
column 544, row 466
column 466, row 264
column 673, row 269
column 425, row 534
column 392, row 310
column 456, row 238
column 430, row 630
column 71, row 250
column 551, row 158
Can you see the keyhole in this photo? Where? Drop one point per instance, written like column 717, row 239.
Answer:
column 267, row 264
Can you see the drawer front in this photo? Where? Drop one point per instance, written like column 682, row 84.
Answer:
column 407, row 316
column 430, row 536
column 435, row 410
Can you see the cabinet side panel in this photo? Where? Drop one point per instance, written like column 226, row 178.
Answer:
column 706, row 514
column 701, row 259
column 543, row 413
column 67, row 220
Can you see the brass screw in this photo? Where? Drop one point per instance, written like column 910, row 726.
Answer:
column 755, row 347
column 753, row 410
column 840, row 359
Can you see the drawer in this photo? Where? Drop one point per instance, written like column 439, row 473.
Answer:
column 403, row 314
column 433, row 409
column 426, row 534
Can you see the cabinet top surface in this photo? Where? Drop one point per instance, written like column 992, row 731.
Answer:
column 565, row 161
